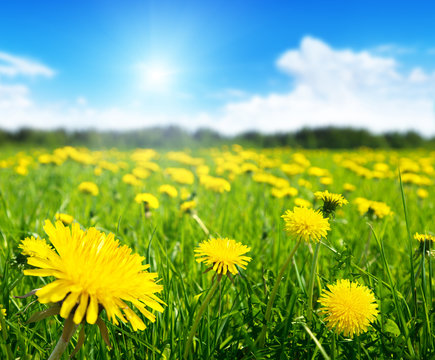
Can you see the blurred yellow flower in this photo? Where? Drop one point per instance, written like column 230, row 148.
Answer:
column 88, row 187
column 186, row 206
column 349, row 187
column 148, row 199
column 168, row 190
column 422, row 193
column 424, row 237
column 65, row 218
column 303, row 203
column 3, row 311
column 377, row 208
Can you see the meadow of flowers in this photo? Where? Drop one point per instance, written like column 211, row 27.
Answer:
column 223, row 253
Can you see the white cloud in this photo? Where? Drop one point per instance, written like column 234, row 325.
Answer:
column 338, row 87
column 11, row 65
column 328, row 87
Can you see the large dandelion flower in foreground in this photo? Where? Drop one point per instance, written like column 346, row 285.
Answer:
column 92, row 272
column 349, row 307
column 307, row 224
column 223, row 255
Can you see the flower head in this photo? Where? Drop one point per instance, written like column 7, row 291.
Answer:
column 65, row 218
column 305, row 223
column 131, row 180
column 422, row 193
column 330, row 201
column 3, row 311
column 92, row 272
column 168, row 190
column 303, row 203
column 223, row 255
column 349, row 307
column 424, row 237
column 215, row 183
column 88, row 187
column 349, row 187
column 187, row 206
column 148, row 199
column 372, row 208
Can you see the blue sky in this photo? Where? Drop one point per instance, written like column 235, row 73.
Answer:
column 228, row 65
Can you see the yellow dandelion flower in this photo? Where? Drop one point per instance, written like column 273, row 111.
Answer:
column 422, row 193
column 215, row 183
column 181, row 175
column 377, row 208
column 65, row 218
column 349, row 187
column 306, row 224
column 330, row 201
column 92, row 272
column 349, row 307
column 326, row 180
column 223, row 255
column 187, row 206
column 88, row 187
column 3, row 311
column 303, row 203
column 131, row 180
column 331, row 198
column 21, row 170
column 184, row 193
column 168, row 190
column 141, row 173
column 35, row 247
column 305, row 183
column 424, row 237
column 148, row 199
column 286, row 191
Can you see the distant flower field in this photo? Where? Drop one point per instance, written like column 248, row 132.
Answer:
column 222, row 253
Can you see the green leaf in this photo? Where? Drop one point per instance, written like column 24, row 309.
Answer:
column 392, row 328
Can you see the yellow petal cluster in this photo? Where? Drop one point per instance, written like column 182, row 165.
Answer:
column 349, row 307
column 92, row 271
column 424, row 237
column 223, row 255
column 378, row 208
column 65, row 218
column 215, row 183
column 148, row 199
column 3, row 311
column 169, row 190
column 187, row 205
column 331, row 199
column 306, row 224
column 88, row 187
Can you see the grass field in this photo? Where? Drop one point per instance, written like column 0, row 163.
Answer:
column 373, row 246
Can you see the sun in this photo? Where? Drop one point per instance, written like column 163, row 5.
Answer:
column 158, row 77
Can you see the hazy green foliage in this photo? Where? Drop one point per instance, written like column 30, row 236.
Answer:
column 173, row 137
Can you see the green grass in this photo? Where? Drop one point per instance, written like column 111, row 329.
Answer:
column 379, row 253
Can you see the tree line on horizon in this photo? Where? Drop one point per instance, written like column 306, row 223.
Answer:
column 174, row 137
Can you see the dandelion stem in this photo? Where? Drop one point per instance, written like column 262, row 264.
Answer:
column 311, row 285
column 268, row 313
column 200, row 223
column 68, row 331
column 198, row 318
